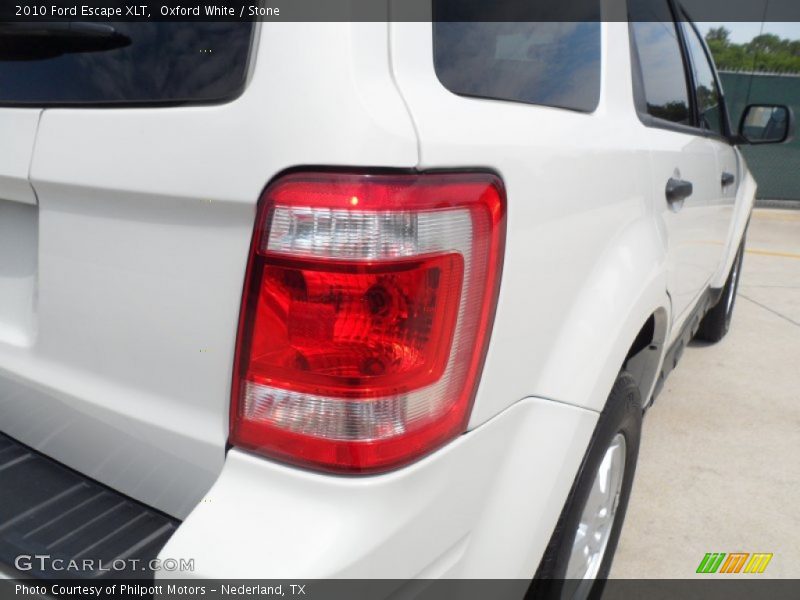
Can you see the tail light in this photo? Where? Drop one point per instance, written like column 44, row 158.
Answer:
column 368, row 304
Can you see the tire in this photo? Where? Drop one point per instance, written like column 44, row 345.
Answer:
column 717, row 321
column 622, row 416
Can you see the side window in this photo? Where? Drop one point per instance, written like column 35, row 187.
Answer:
column 661, row 60
column 550, row 63
column 709, row 103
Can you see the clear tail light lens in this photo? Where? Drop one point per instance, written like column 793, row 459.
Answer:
column 368, row 304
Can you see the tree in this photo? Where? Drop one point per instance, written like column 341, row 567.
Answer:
column 765, row 52
column 767, row 43
column 719, row 35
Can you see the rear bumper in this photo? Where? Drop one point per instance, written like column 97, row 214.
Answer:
column 57, row 523
column 483, row 506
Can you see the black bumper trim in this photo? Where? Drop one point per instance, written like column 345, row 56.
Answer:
column 83, row 528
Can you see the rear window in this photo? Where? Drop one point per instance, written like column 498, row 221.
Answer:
column 126, row 63
column 548, row 63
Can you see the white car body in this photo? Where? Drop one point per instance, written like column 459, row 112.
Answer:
column 122, row 291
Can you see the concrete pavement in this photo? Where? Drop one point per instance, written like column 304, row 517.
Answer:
column 719, row 465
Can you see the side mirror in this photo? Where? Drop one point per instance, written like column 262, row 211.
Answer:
column 766, row 124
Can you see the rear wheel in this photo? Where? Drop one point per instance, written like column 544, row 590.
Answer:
column 717, row 321
column 580, row 552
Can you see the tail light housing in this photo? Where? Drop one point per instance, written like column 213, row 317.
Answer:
column 366, row 315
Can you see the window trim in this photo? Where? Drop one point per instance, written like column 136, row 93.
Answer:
column 640, row 100
column 726, row 124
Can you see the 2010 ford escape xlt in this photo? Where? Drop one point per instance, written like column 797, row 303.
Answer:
column 399, row 289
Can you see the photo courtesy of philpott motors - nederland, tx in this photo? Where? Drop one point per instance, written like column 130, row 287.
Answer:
column 147, row 591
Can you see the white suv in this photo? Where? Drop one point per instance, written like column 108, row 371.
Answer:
column 363, row 300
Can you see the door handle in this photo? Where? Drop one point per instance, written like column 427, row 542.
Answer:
column 677, row 191
column 728, row 179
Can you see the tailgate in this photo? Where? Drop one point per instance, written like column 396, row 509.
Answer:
column 18, row 226
column 121, row 277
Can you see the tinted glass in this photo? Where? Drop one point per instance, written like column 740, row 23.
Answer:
column 553, row 63
column 661, row 60
column 764, row 124
column 155, row 62
column 707, row 93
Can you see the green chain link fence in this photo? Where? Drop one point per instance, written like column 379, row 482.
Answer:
column 776, row 168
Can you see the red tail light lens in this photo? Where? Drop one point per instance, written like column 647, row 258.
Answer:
column 365, row 318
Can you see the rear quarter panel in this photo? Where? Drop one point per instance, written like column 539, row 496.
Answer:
column 584, row 255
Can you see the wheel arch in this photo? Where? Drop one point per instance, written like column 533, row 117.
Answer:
column 644, row 357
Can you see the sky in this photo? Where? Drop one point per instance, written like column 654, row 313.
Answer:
column 744, row 32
